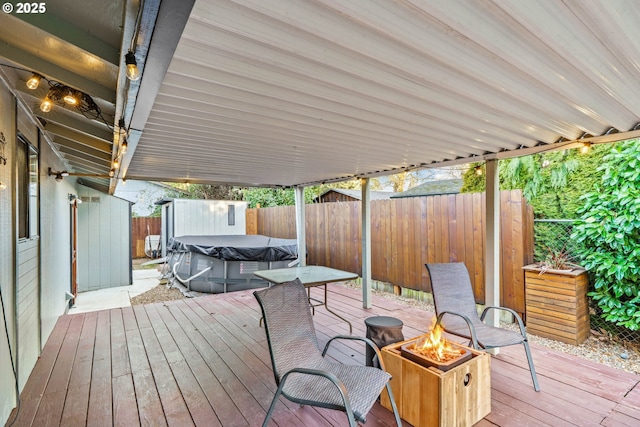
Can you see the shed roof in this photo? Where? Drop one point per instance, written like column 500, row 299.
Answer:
column 357, row 194
column 432, row 188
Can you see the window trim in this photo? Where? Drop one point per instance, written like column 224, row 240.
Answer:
column 24, row 195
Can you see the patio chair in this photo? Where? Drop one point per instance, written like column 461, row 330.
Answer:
column 456, row 312
column 302, row 373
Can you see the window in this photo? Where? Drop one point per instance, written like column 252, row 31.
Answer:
column 27, row 196
column 33, row 193
column 231, row 214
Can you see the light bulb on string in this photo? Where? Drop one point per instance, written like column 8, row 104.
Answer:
column 46, row 105
column 34, row 81
column 133, row 73
column 71, row 98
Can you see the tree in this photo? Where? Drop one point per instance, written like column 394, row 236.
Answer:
column 209, row 191
column 269, row 197
column 552, row 182
column 472, row 182
column 609, row 234
column 398, row 181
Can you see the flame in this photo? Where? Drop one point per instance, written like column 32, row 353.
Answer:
column 437, row 347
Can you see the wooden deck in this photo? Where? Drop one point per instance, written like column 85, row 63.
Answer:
column 205, row 361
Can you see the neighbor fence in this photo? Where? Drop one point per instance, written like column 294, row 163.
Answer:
column 140, row 227
column 406, row 233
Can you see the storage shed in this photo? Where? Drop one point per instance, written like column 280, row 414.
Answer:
column 104, row 240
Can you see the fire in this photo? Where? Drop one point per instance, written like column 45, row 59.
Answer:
column 437, row 347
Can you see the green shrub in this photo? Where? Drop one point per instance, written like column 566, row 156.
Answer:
column 609, row 236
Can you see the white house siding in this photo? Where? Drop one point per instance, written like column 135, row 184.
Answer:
column 28, row 307
column 104, row 241
column 38, row 305
column 55, row 249
column 7, row 258
column 28, row 283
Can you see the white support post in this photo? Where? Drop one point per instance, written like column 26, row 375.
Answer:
column 492, row 265
column 366, row 242
column 300, row 226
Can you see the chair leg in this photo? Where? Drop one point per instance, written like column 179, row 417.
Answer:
column 393, row 405
column 534, row 377
column 273, row 404
column 352, row 419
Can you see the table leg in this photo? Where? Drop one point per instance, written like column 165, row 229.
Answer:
column 334, row 313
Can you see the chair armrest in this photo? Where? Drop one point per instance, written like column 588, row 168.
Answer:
column 513, row 312
column 325, row 374
column 472, row 329
column 367, row 341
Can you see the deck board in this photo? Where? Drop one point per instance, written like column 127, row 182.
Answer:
column 205, row 361
column 100, row 411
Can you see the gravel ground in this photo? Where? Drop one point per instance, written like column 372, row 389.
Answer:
column 160, row 293
column 597, row 348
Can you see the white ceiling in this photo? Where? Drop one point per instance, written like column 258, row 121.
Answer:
column 78, row 45
column 289, row 92
column 296, row 92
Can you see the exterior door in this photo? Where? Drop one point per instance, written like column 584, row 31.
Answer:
column 74, row 249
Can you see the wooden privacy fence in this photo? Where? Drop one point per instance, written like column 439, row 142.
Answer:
column 406, row 233
column 139, row 232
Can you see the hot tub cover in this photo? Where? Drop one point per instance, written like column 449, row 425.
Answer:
column 237, row 247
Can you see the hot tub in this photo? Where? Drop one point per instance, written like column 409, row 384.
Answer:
column 216, row 264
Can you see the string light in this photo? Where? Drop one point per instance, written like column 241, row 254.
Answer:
column 71, row 98
column 34, row 81
column 586, row 146
column 66, row 96
column 46, row 105
column 133, row 73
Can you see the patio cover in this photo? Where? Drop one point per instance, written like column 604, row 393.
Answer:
column 293, row 92
column 298, row 92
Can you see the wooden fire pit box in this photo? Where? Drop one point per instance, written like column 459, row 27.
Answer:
column 429, row 397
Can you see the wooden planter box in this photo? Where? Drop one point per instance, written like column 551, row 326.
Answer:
column 556, row 304
column 429, row 397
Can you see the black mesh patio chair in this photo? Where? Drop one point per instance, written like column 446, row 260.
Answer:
column 302, row 372
column 456, row 312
